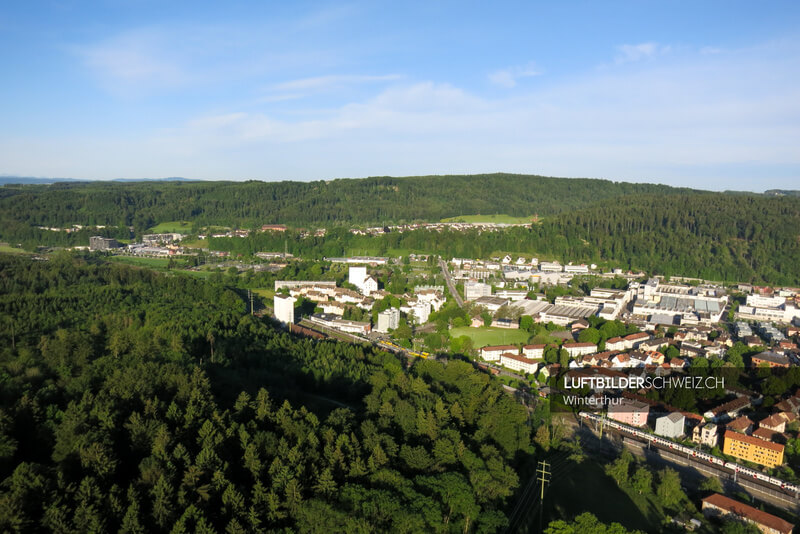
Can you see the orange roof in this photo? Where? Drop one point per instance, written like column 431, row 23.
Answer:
column 753, row 441
column 533, row 347
column 577, row 345
column 748, row 512
column 638, row 335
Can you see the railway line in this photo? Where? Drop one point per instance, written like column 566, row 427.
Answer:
column 786, row 493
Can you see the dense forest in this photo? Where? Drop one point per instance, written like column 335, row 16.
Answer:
column 716, row 237
column 135, row 401
column 322, row 203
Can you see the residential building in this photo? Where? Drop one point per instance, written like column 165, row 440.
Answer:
column 706, row 434
column 728, row 410
column 579, row 349
column 284, row 308
column 616, row 343
column 630, row 412
column 717, row 505
column 772, row 359
column 420, row 311
column 291, row 284
column 388, row 319
column 533, row 351
column 752, row 449
column 634, row 340
column 743, row 425
column 359, row 278
column 475, row 290
column 670, row 425
column 492, row 353
column 777, row 422
column 516, row 362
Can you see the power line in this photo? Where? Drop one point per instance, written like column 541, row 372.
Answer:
column 543, row 476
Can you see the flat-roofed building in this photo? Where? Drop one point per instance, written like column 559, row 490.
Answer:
column 491, row 303
column 284, row 308
column 475, row 290
column 388, row 319
column 102, row 243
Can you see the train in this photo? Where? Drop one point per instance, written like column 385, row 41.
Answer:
column 394, row 347
column 740, row 470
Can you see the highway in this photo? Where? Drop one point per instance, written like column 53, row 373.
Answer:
column 450, row 285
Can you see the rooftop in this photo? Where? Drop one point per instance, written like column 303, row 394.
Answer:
column 746, row 511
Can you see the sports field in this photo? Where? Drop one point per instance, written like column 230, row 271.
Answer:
column 497, row 218
column 484, row 336
column 172, row 227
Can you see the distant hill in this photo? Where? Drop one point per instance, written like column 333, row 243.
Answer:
column 8, row 179
column 723, row 236
column 377, row 200
column 783, row 192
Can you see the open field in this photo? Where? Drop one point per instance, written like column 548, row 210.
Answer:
column 264, row 292
column 498, row 218
column 490, row 336
column 12, row 250
column 196, row 243
column 154, row 263
column 172, row 227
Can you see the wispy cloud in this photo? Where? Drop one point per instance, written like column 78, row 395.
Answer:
column 696, row 116
column 139, row 57
column 508, row 77
column 327, row 82
column 628, row 53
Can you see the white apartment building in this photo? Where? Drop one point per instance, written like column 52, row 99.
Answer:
column 284, row 308
column 388, row 320
column 475, row 290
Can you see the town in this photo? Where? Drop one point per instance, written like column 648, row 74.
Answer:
column 536, row 324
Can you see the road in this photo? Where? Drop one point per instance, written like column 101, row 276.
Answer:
column 450, row 285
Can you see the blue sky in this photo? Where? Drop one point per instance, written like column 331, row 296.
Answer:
column 702, row 94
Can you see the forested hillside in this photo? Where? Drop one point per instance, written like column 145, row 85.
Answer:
column 330, row 203
column 717, row 237
column 140, row 402
column 663, row 230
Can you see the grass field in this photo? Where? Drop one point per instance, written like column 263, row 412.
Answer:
column 196, row 243
column 498, row 218
column 154, row 263
column 264, row 292
column 12, row 250
column 490, row 336
column 172, row 227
